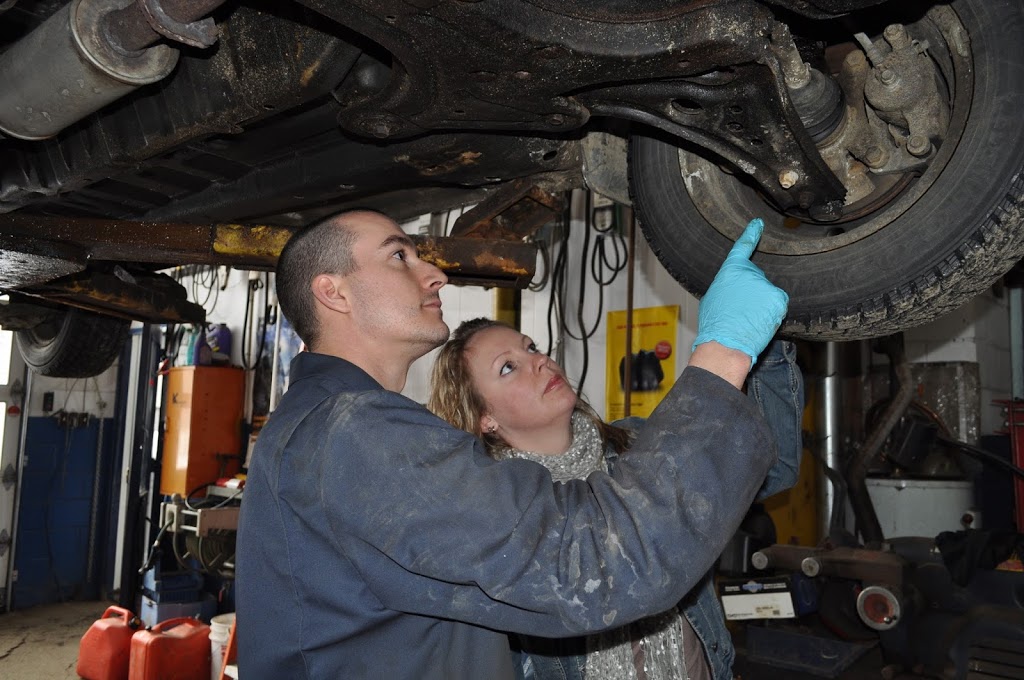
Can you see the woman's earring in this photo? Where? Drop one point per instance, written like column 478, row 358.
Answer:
column 492, row 429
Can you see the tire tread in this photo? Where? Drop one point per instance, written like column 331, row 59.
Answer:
column 994, row 247
column 86, row 345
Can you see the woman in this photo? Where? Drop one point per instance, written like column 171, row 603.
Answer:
column 491, row 380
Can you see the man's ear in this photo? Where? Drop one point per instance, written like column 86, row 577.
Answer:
column 330, row 291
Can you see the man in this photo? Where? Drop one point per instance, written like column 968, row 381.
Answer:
column 378, row 541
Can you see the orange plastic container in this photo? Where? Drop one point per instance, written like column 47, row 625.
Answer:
column 104, row 651
column 175, row 649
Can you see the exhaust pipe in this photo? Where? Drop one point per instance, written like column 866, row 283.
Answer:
column 89, row 54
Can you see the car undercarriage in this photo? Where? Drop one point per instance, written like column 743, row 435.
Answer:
column 880, row 141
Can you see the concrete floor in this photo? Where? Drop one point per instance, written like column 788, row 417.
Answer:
column 41, row 643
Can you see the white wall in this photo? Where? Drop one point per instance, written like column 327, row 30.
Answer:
column 94, row 396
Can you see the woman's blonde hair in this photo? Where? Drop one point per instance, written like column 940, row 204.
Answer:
column 453, row 397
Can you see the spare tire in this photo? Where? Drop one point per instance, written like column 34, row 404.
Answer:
column 73, row 344
column 949, row 235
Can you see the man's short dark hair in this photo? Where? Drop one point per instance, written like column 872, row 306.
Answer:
column 324, row 247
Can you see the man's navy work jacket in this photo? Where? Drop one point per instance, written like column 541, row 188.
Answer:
column 376, row 540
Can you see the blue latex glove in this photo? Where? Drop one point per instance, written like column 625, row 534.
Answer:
column 742, row 308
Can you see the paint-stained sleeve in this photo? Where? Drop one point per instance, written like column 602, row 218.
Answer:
column 437, row 528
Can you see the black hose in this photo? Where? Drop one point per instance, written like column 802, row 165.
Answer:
column 982, row 455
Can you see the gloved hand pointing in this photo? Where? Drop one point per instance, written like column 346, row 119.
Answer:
column 742, row 308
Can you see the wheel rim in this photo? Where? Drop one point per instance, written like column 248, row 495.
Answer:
column 726, row 201
column 44, row 334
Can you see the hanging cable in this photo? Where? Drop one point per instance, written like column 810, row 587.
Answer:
column 205, row 285
column 247, row 325
column 545, row 258
column 584, row 334
column 561, row 236
column 250, row 326
column 173, row 335
column 603, row 262
column 268, row 313
column 269, row 307
column 598, row 258
column 982, row 455
column 583, row 277
column 154, row 548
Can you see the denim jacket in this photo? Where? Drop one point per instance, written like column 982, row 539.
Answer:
column 776, row 386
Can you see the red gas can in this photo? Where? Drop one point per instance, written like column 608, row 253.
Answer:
column 175, row 649
column 105, row 647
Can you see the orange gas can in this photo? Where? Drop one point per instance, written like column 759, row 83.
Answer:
column 175, row 649
column 105, row 647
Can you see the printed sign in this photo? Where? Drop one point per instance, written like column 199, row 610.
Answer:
column 652, row 364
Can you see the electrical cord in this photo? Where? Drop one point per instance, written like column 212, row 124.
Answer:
column 598, row 259
column 584, row 334
column 227, row 500
column 247, row 327
column 558, row 273
column 180, row 558
column 205, row 278
column 982, row 455
column 210, row 552
column 193, row 492
column 67, row 397
column 173, row 335
column 151, row 557
column 604, row 262
column 545, row 258
column 448, row 224
column 250, row 327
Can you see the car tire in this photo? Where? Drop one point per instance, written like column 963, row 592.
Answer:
column 950, row 244
column 73, row 344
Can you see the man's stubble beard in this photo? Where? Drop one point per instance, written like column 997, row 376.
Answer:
column 386, row 326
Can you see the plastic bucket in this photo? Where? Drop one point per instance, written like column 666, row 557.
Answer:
column 220, row 630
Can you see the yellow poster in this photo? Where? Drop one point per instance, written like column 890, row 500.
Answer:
column 652, row 362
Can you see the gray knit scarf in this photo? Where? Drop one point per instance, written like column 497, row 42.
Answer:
column 585, row 455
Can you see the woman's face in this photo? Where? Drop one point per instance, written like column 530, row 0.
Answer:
column 526, row 393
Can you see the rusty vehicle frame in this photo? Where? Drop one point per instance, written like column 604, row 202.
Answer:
column 143, row 134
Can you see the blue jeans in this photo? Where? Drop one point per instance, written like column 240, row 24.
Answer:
column 777, row 387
